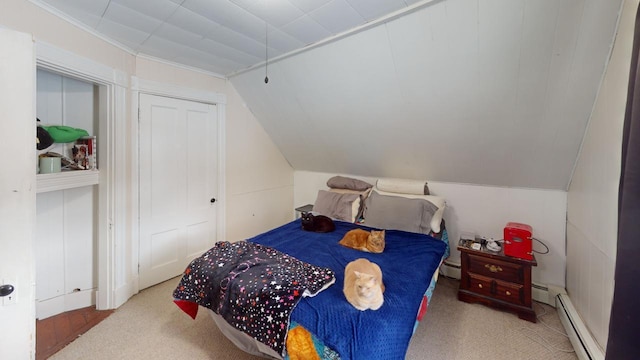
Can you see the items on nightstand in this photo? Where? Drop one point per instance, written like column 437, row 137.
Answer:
column 518, row 241
column 492, row 245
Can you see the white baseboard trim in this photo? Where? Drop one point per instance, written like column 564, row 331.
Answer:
column 583, row 342
column 67, row 302
column 124, row 293
column 450, row 269
column 546, row 293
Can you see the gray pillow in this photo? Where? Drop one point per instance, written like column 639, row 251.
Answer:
column 341, row 182
column 398, row 213
column 336, row 205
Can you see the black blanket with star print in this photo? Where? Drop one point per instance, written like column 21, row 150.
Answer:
column 253, row 287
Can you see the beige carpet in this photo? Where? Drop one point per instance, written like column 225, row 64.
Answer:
column 150, row 326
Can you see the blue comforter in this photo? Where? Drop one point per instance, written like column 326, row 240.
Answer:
column 408, row 263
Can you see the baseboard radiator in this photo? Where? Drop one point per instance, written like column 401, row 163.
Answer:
column 583, row 342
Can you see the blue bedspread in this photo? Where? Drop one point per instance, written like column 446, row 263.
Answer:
column 408, row 263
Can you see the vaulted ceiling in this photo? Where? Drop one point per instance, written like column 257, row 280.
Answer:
column 220, row 36
column 493, row 92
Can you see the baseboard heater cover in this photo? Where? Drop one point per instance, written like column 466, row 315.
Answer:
column 583, row 342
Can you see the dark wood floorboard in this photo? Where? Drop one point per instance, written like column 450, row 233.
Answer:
column 56, row 332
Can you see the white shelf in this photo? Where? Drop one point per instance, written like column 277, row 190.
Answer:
column 66, row 180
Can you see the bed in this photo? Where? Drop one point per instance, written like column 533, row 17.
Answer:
column 280, row 294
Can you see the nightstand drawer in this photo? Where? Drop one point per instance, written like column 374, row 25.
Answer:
column 480, row 284
column 513, row 293
column 497, row 269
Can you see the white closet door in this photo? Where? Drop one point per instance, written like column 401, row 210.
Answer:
column 178, row 172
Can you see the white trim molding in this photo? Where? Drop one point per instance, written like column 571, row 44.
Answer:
column 583, row 342
column 68, row 64
column 179, row 92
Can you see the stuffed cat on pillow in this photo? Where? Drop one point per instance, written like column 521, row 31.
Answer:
column 363, row 286
column 369, row 241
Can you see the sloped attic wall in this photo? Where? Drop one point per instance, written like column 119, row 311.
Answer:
column 493, row 92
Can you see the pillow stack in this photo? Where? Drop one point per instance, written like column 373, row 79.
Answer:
column 344, row 200
column 404, row 205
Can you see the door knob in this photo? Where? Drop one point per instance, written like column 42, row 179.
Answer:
column 213, row 200
column 6, row 290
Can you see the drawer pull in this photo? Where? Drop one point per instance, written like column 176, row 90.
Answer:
column 493, row 268
column 508, row 293
column 480, row 286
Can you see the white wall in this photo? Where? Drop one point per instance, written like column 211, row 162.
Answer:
column 592, row 213
column 259, row 180
column 484, row 210
column 488, row 92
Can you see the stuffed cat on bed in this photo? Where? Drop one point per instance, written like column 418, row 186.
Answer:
column 369, row 241
column 363, row 286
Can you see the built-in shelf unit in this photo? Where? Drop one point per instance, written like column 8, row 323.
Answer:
column 67, row 202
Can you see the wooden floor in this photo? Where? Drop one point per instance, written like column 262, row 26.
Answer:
column 56, row 332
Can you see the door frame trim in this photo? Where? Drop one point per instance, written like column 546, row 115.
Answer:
column 150, row 87
column 111, row 208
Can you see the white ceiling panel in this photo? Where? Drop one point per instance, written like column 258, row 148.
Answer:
column 220, row 13
column 495, row 92
column 241, row 25
column 132, row 18
column 159, row 9
column 238, row 41
column 306, row 29
column 282, row 43
column 337, row 16
column 93, row 7
column 373, row 9
column 178, row 35
column 227, row 52
column 190, row 21
column 309, row 5
column 124, row 34
column 276, row 12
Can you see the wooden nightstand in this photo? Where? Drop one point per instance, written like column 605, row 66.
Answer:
column 496, row 280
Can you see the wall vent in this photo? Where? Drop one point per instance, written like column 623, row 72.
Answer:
column 583, row 342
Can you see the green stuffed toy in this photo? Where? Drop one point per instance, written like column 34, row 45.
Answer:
column 65, row 134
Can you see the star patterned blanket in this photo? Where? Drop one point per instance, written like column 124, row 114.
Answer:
column 253, row 287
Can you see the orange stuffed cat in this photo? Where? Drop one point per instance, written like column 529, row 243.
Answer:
column 369, row 241
column 363, row 286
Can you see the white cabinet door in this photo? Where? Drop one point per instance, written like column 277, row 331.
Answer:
column 178, row 172
column 18, row 194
